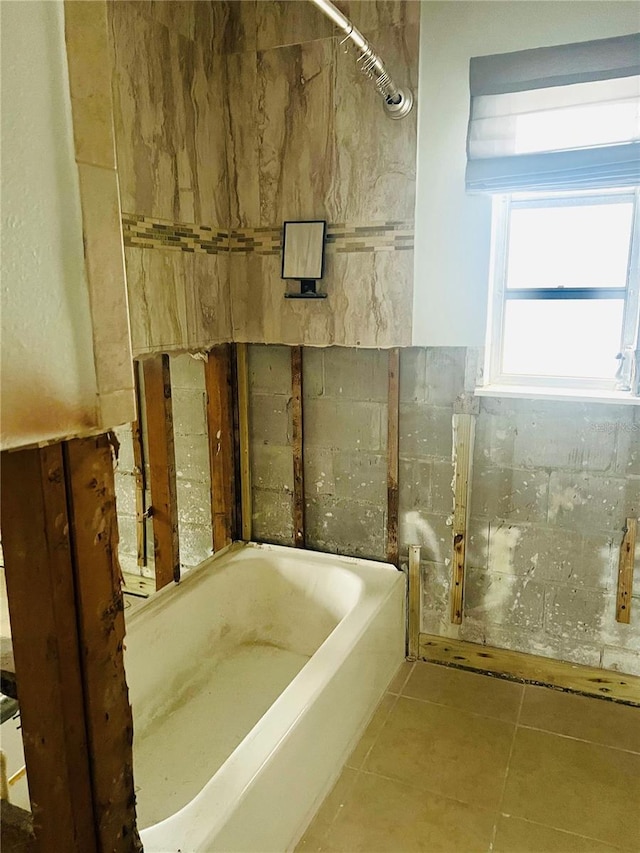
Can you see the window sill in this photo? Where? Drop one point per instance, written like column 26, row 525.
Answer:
column 584, row 395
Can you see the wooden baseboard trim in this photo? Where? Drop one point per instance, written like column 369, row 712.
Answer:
column 531, row 669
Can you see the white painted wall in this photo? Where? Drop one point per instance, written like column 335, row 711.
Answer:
column 453, row 228
column 47, row 372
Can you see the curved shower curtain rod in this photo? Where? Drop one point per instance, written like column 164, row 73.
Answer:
column 397, row 103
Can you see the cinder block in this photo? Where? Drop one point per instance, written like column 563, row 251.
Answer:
column 413, row 375
column 548, row 554
column 189, row 412
column 194, row 503
column 551, row 441
column 126, row 462
column 589, row 502
column 425, row 431
column 621, row 660
column 428, row 530
column 442, row 486
column 345, row 527
column 318, row 471
column 444, row 374
column 269, row 369
column 270, row 420
column 361, row 476
column 125, row 486
column 192, row 457
column 575, row 614
column 272, row 467
column 356, row 374
column 343, row 425
column 272, row 517
column 503, row 599
column 414, row 482
column 312, row 372
column 510, row 494
column 195, row 544
column 187, row 372
column 128, row 544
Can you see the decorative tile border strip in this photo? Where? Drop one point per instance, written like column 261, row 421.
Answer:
column 143, row 232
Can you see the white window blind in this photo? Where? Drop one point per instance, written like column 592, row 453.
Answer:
column 556, row 118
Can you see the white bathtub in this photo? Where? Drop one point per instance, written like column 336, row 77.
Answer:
column 250, row 682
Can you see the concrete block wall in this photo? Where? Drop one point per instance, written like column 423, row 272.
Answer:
column 193, row 476
column 552, row 485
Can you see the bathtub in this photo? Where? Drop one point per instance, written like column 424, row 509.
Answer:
column 250, row 683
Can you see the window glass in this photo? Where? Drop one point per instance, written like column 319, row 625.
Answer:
column 585, row 245
column 562, row 337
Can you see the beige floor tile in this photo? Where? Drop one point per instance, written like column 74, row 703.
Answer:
column 481, row 694
column 522, row 836
column 383, row 815
column 312, row 840
column 602, row 722
column 357, row 757
column 580, row 787
column 400, row 677
column 445, row 750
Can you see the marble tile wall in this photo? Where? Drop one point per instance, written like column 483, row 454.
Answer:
column 308, row 139
column 168, row 86
column 234, row 116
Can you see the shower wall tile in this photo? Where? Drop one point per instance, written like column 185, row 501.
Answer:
column 368, row 304
column 296, row 130
column 170, row 136
column 242, row 145
column 375, row 170
column 370, row 16
column 290, row 22
column 239, row 24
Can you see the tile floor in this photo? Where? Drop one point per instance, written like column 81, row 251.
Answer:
column 455, row 762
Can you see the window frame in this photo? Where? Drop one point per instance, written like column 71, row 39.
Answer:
column 630, row 332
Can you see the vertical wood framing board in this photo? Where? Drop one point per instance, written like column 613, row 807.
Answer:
column 91, row 496
column 40, row 589
column 162, row 468
column 237, row 480
column 221, row 443
column 463, row 438
column 138, row 463
column 625, row 571
column 393, row 456
column 297, row 447
column 413, row 610
column 243, row 424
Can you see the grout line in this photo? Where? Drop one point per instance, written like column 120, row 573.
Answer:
column 375, row 739
column 567, row 832
column 404, row 683
column 506, row 774
column 456, row 708
column 578, row 739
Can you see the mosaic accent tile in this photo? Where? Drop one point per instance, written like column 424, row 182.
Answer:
column 142, row 232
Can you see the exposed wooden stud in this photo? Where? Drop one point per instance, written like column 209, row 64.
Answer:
column 63, row 587
column 463, row 437
column 532, row 669
column 42, row 607
column 413, row 610
column 139, row 472
column 217, row 374
column 297, row 442
column 162, row 468
column 625, row 571
column 237, row 481
column 243, row 425
column 100, row 619
column 393, row 408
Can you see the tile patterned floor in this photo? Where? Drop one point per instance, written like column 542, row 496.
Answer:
column 455, row 762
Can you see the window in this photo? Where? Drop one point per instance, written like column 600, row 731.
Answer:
column 564, row 295
column 554, row 137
